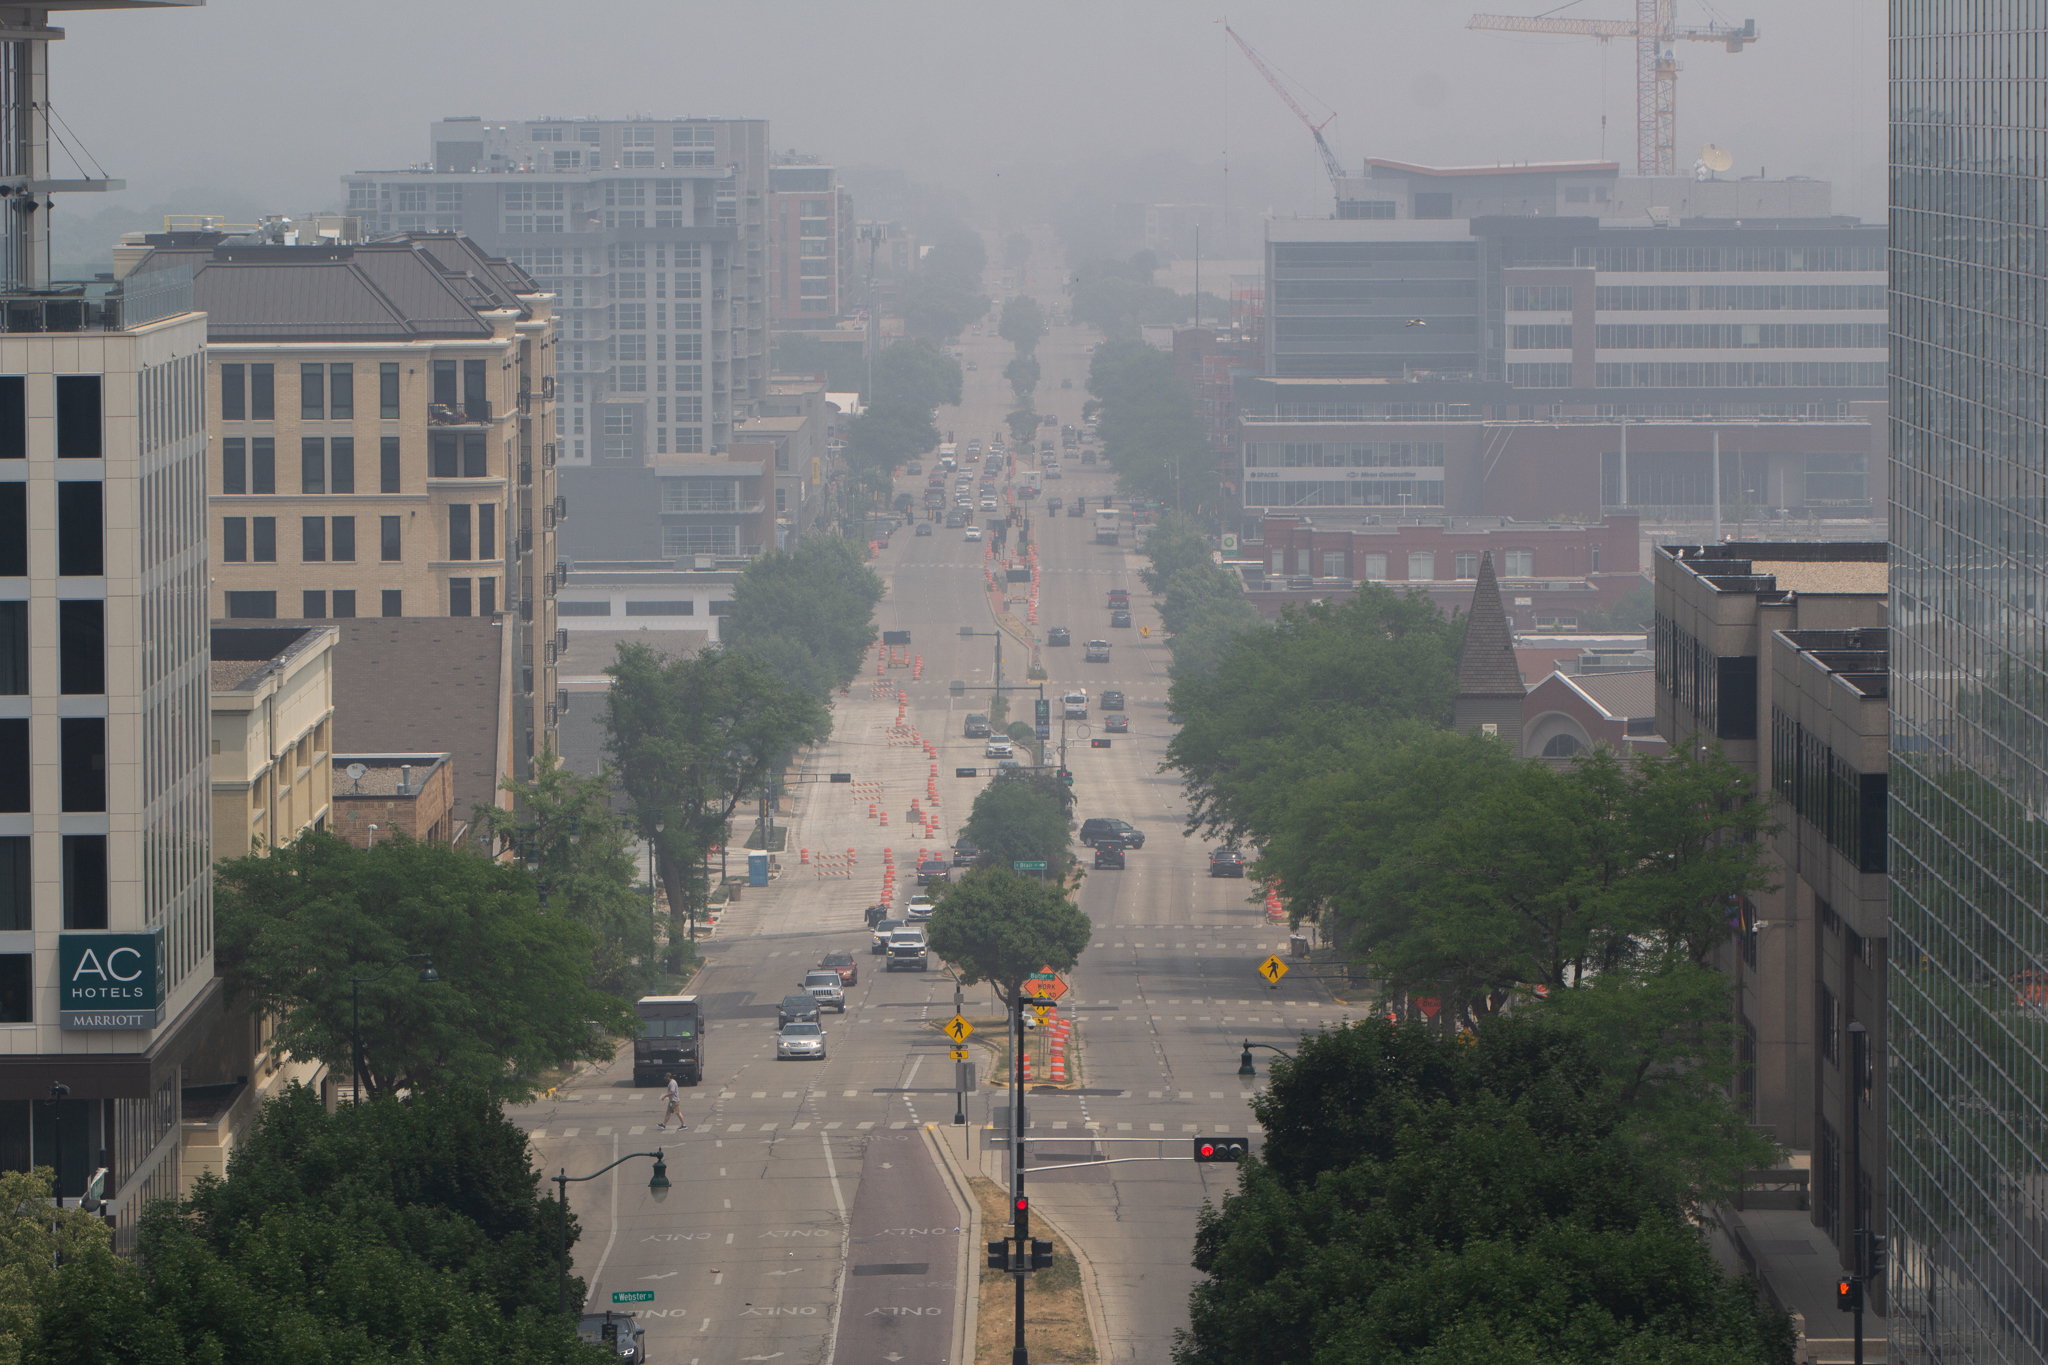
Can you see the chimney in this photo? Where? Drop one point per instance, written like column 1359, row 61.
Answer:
column 405, row 779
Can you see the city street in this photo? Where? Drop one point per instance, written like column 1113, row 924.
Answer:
column 807, row 1219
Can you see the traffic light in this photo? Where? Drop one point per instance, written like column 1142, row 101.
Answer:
column 1022, row 1224
column 1098, row 744
column 1849, row 1294
column 1876, row 1255
column 1066, row 778
column 999, row 1254
column 1219, row 1149
column 1041, row 1254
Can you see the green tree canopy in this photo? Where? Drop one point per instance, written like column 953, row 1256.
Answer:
column 1022, row 323
column 1149, row 430
column 513, row 999
column 580, row 854
column 1023, row 425
column 35, row 1238
column 1421, row 1199
column 999, row 927
column 917, row 375
column 807, row 613
column 380, row 1232
column 692, row 738
column 1022, row 372
column 1019, row 820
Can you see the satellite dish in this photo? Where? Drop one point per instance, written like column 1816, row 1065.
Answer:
column 1715, row 158
column 356, row 772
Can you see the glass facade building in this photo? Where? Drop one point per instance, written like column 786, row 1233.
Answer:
column 1967, row 1074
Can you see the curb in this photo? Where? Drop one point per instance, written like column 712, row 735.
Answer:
column 1090, row 1295
column 965, row 1318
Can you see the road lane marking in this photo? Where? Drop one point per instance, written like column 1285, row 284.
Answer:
column 845, row 1247
column 636, row 1130
column 571, row 1132
column 604, row 1132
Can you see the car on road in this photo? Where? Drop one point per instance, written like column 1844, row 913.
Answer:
column 921, row 906
column 974, row 447
column 1087, row 457
column 973, row 364
column 1226, row 862
column 801, row 1006
column 999, row 748
column 823, row 986
column 1119, row 620
column 976, row 725
column 1119, row 597
column 845, row 965
column 1109, row 699
column 973, row 533
column 924, row 528
column 1054, row 503
column 988, row 504
column 914, row 467
column 1058, row 636
column 884, row 928
column 1052, row 471
column 955, row 519
column 1109, row 855
column 934, row 869
column 1074, row 706
column 1004, row 763
column 907, row 949
column 1076, row 510
column 965, row 852
column 1096, row 653
column 1066, row 383
column 1106, row 827
column 1116, row 724
column 1051, row 420
column 798, row 1042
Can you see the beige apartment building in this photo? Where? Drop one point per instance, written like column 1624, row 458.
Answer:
column 383, row 437
column 273, row 718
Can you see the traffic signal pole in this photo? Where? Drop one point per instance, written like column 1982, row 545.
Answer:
column 1020, row 1228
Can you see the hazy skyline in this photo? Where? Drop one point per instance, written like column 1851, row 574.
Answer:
column 274, row 102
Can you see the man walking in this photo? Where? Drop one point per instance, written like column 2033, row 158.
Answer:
column 675, row 1105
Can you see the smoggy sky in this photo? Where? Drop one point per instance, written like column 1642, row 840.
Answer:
column 268, row 102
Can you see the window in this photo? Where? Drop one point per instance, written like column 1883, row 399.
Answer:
column 1519, row 563
column 263, row 540
column 486, row 531
column 1376, row 568
column 487, row 597
column 720, row 608
column 82, row 763
column 444, row 384
column 344, row 603
column 679, row 607
column 393, row 600
column 458, row 532
column 14, row 766
column 256, row 606
column 82, row 647
column 1333, row 564
column 85, row 881
column 387, row 389
column 234, row 400
column 458, row 596
column 312, row 540
column 13, row 649
column 1830, row 1029
column 443, row 455
column 234, row 540
column 16, row 910
column 78, row 417
column 312, row 392
column 313, row 605
column 1467, row 565
column 680, row 541
column 341, row 465
column 476, row 463
column 234, row 465
column 262, row 393
column 388, row 540
column 13, row 530
column 1422, row 564
column 568, row 608
column 262, row 464
column 1562, row 746
column 476, row 396
column 343, row 540
column 387, row 464
column 312, row 465
column 81, row 533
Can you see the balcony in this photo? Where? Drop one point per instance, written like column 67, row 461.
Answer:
column 98, row 305
column 474, row 413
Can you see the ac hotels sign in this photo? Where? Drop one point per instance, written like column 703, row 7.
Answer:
column 110, row 981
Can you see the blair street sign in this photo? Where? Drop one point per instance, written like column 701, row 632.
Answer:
column 110, row 981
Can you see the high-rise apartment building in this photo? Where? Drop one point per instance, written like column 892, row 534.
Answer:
column 810, row 247
column 1967, row 1084
column 653, row 236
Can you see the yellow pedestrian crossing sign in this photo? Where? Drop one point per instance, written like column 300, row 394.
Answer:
column 959, row 1054
column 1273, row 969
column 1042, row 1011
column 957, row 1028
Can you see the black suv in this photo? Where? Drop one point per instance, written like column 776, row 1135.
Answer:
column 1103, row 830
column 1109, row 699
column 1058, row 635
column 976, row 725
column 964, row 853
column 1226, row 862
column 1109, row 854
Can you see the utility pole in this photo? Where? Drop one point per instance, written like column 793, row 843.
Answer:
column 1020, row 1208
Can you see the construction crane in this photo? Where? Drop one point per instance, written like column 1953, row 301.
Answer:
column 1655, row 29
column 1330, row 162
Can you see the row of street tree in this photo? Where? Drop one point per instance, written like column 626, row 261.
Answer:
column 1149, row 432
column 912, row 380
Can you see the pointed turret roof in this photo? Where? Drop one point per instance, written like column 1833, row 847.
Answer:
column 1487, row 666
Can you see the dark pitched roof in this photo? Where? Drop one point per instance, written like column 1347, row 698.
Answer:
column 1487, row 667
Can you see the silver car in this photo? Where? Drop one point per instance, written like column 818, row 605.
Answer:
column 800, row 1041
column 825, row 988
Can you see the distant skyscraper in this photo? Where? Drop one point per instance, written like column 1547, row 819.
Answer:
column 1967, row 1078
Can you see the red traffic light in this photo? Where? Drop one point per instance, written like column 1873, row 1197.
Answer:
column 1023, row 1204
column 1848, row 1294
column 1206, row 1151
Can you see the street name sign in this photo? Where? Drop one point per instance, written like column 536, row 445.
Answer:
column 1028, row 866
column 633, row 1296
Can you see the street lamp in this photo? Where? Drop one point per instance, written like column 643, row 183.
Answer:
column 1244, row 1061
column 59, row 1092
column 427, row 977
column 657, row 1186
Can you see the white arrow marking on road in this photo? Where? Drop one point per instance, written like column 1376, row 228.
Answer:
column 661, row 1277
column 892, row 1356
column 798, row 1271
column 776, row 1356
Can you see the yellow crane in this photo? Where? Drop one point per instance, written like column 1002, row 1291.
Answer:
column 1655, row 28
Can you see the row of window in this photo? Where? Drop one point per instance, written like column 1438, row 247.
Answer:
column 84, row 895
column 81, row 764
column 1763, row 259
column 1638, row 298
column 472, row 534
column 1421, row 564
column 1817, row 374
column 1375, row 291
column 79, row 436
column 1718, row 690
column 681, row 606
column 328, row 391
column 1344, row 454
column 640, row 255
column 81, row 529
column 1845, row 805
column 632, row 346
column 1717, row 336
column 327, row 465
column 466, row 597
column 1345, row 493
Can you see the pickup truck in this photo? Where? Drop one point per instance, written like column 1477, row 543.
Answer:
column 1097, row 652
column 907, row 951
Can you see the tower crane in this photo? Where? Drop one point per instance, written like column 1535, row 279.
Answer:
column 1655, row 28
column 1330, row 162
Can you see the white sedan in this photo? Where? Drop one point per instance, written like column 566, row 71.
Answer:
column 800, row 1040
column 974, row 533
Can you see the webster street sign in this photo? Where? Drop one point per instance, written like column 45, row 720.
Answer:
column 110, row 981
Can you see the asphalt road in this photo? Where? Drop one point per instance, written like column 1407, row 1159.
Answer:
column 806, row 1222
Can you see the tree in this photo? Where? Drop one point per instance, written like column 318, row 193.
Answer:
column 808, row 613
column 380, row 1232
column 293, row 927
column 1022, row 323
column 692, row 738
column 1149, row 430
column 1023, row 425
column 998, row 927
column 917, row 376
column 1016, row 820
column 884, row 436
column 35, row 1238
column 1022, row 372
column 1420, row 1198
column 580, row 854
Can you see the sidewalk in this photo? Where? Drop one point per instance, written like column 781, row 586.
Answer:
column 1797, row 1268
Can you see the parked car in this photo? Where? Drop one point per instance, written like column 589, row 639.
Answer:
column 823, row 985
column 1119, row 620
column 1226, row 862
column 845, row 965
column 1109, row 699
column 924, row 528
column 1109, row 855
column 1105, row 827
column 1116, row 723
column 798, row 1042
column 934, row 869
column 1058, row 636
column 796, row 1007
column 1087, row 457
column 883, row 928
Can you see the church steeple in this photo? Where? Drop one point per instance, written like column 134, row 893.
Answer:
column 1490, row 687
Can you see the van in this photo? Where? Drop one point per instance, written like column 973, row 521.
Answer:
column 1076, row 705
column 671, row 1039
